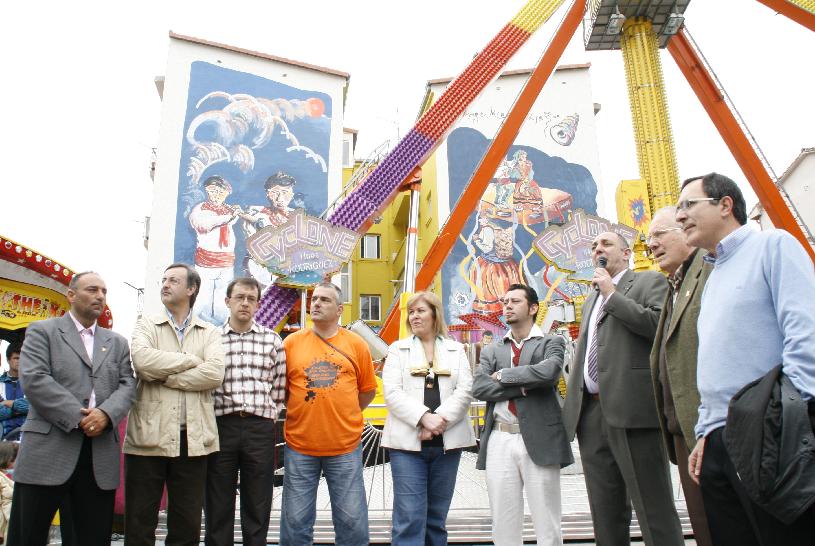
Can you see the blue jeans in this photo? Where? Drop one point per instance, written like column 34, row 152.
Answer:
column 349, row 509
column 423, row 484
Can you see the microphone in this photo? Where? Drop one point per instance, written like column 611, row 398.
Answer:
column 602, row 261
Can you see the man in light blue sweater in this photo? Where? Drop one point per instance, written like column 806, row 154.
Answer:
column 757, row 312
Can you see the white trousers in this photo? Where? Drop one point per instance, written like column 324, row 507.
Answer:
column 509, row 472
column 210, row 304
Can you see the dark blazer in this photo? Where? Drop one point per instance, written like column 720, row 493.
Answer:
column 769, row 438
column 57, row 378
column 626, row 333
column 681, row 346
column 539, row 413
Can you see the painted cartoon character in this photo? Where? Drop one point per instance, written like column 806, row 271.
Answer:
column 494, row 270
column 503, row 184
column 280, row 192
column 527, row 192
column 212, row 221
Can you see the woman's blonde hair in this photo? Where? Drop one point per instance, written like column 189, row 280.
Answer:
column 433, row 301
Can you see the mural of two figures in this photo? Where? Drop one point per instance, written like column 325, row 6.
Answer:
column 253, row 151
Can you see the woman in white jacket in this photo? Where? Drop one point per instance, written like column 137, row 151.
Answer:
column 428, row 390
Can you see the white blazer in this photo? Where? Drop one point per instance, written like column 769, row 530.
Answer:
column 404, row 396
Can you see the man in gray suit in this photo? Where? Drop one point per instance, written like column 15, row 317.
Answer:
column 523, row 444
column 79, row 384
column 610, row 402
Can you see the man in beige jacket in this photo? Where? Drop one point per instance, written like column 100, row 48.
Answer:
column 179, row 360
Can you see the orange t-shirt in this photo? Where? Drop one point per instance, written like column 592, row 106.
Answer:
column 323, row 416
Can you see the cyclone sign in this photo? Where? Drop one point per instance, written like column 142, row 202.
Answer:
column 302, row 251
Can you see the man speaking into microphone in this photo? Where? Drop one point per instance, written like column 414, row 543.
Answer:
column 610, row 401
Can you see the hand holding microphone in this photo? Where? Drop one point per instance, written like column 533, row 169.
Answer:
column 600, row 273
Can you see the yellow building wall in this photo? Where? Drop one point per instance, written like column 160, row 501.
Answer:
column 377, row 277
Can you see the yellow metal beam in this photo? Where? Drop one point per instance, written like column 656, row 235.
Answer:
column 649, row 112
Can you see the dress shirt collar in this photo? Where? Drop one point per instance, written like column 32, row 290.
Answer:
column 534, row 332
column 679, row 275
column 80, row 327
column 227, row 328
column 729, row 244
column 179, row 330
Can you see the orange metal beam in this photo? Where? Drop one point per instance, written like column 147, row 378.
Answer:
column 712, row 100
column 492, row 158
column 790, row 10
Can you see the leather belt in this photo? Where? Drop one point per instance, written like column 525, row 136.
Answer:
column 514, row 428
column 239, row 414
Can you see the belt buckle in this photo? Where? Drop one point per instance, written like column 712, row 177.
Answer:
column 514, row 428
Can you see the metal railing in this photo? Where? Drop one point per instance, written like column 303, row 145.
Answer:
column 359, row 175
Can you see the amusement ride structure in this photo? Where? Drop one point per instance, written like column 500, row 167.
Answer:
column 638, row 28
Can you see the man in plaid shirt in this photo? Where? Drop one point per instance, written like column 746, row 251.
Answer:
column 246, row 408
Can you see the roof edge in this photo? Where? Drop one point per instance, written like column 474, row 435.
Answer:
column 519, row 72
column 258, row 54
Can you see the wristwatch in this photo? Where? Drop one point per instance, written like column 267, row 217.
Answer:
column 498, row 375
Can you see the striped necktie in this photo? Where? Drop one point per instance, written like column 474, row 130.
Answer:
column 593, row 348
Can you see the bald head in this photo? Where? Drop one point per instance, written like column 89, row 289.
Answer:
column 614, row 248
column 666, row 216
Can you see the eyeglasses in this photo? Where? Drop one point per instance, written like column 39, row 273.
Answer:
column 688, row 203
column 244, row 297
column 657, row 234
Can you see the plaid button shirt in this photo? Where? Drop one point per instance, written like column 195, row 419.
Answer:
column 255, row 377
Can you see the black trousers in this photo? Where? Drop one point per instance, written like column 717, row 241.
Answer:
column 145, row 478
column 732, row 517
column 247, row 445
column 33, row 507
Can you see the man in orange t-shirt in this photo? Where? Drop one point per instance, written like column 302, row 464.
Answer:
column 329, row 381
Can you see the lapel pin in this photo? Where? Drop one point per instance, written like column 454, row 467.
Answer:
column 687, row 294
column 104, row 349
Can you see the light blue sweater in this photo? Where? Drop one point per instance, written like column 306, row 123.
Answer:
column 758, row 311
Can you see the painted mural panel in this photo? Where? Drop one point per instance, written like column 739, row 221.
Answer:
column 544, row 178
column 253, row 150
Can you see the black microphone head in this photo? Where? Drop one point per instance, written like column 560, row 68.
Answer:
column 602, row 261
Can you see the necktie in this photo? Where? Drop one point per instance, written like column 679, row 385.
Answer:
column 516, row 359
column 87, row 341
column 593, row 349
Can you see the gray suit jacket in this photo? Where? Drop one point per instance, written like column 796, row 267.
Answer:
column 539, row 412
column 626, row 333
column 57, row 377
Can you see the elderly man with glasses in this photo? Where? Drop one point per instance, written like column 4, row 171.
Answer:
column 673, row 356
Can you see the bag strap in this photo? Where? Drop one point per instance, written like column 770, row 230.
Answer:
column 343, row 353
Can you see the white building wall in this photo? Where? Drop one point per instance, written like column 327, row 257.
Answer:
column 181, row 55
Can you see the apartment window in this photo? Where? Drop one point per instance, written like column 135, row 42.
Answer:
column 369, row 308
column 370, row 246
column 345, row 283
column 347, row 150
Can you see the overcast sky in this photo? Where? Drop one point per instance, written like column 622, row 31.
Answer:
column 82, row 112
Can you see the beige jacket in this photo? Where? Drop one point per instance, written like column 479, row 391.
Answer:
column 6, row 492
column 174, row 376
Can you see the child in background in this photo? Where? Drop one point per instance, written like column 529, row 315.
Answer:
column 8, row 454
